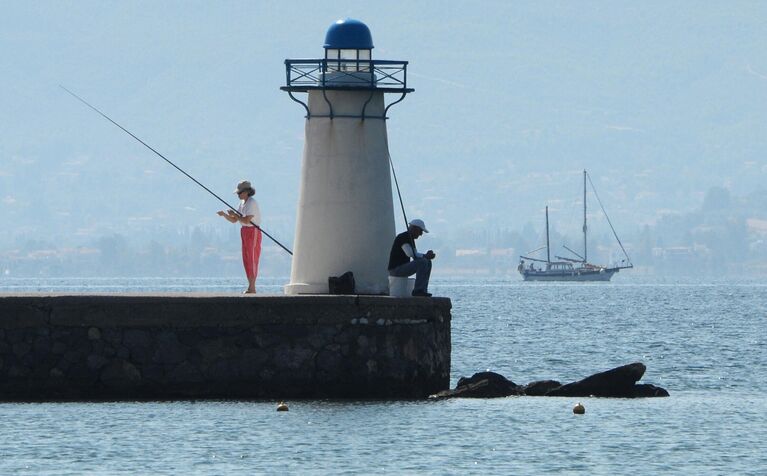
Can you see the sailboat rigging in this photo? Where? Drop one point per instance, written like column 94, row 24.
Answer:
column 572, row 269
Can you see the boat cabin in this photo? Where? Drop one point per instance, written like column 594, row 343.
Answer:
column 560, row 266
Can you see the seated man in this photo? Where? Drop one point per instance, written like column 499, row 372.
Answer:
column 403, row 249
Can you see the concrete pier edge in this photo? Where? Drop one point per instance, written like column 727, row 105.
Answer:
column 190, row 346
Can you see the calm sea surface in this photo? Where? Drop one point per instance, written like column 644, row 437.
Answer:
column 705, row 342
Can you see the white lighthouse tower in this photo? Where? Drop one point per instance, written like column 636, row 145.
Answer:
column 345, row 219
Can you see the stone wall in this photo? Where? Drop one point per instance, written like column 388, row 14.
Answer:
column 203, row 346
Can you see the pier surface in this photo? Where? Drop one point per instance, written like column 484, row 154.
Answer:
column 165, row 346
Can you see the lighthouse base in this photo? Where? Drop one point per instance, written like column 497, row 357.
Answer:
column 306, row 288
column 296, row 289
column 151, row 346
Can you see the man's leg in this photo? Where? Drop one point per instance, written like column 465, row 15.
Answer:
column 404, row 270
column 421, row 267
column 423, row 272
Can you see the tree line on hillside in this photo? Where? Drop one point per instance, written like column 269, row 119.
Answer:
column 726, row 234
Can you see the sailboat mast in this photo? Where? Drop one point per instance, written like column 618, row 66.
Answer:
column 548, row 249
column 585, row 247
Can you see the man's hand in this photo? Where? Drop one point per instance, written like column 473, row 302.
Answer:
column 221, row 213
column 429, row 255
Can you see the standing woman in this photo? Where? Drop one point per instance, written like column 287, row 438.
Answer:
column 250, row 234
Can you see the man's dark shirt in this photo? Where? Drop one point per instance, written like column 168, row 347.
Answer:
column 397, row 257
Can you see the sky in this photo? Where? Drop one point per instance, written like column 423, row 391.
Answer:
column 659, row 100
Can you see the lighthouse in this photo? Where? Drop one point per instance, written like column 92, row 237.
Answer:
column 345, row 216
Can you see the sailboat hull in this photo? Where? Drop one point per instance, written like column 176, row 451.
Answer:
column 580, row 275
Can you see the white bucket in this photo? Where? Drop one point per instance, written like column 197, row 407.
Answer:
column 401, row 287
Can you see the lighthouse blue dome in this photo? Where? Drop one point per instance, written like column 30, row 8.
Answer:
column 348, row 34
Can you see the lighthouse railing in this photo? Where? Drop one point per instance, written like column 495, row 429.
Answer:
column 305, row 74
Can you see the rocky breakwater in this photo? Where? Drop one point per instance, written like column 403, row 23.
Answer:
column 203, row 346
column 620, row 382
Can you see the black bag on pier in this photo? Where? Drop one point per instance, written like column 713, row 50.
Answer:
column 343, row 284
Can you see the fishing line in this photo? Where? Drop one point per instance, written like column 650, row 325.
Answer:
column 177, row 167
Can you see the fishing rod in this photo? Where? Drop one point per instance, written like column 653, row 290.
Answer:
column 176, row 167
column 402, row 205
column 396, row 184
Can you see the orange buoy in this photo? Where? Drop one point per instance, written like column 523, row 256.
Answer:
column 282, row 407
column 579, row 409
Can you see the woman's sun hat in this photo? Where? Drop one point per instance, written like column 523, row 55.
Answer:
column 243, row 186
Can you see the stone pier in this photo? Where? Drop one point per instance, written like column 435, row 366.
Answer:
column 152, row 346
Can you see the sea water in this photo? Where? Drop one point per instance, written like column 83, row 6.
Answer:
column 704, row 341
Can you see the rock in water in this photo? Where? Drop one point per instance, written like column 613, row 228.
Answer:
column 617, row 382
column 492, row 376
column 541, row 387
column 646, row 390
column 482, row 385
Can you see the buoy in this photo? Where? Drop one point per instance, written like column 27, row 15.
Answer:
column 282, row 407
column 579, row 409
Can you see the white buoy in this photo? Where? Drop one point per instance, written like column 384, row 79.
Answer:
column 345, row 217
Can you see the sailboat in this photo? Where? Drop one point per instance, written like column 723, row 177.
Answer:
column 572, row 269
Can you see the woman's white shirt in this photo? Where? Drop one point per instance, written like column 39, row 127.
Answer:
column 249, row 206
